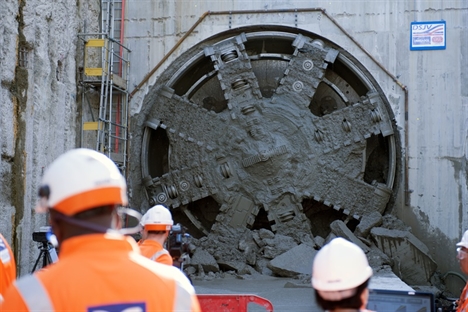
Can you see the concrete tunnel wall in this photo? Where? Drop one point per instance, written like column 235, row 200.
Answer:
column 435, row 204
column 40, row 118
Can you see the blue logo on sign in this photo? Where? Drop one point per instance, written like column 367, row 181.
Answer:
column 428, row 35
column 120, row 307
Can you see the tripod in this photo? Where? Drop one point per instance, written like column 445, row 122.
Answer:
column 48, row 255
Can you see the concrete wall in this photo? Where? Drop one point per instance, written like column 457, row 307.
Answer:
column 40, row 111
column 377, row 33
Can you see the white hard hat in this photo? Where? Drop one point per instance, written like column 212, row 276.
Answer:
column 338, row 268
column 81, row 179
column 158, row 218
column 464, row 240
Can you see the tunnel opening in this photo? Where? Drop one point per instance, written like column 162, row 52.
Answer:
column 353, row 83
column 199, row 69
column 262, row 221
column 340, row 88
column 198, row 216
column 268, row 70
column 377, row 162
column 321, row 216
column 158, row 151
column 325, row 101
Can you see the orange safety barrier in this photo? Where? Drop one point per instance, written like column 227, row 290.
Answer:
column 231, row 303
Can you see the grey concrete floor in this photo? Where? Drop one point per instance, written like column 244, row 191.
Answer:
column 285, row 294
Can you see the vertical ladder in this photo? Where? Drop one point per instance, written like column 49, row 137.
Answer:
column 111, row 125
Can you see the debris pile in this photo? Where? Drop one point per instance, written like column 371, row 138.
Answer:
column 386, row 240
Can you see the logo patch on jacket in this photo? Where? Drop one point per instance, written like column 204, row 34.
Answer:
column 120, row 307
column 4, row 253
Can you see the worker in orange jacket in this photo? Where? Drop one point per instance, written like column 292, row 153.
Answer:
column 7, row 266
column 99, row 268
column 157, row 223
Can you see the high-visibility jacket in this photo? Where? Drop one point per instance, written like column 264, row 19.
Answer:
column 155, row 251
column 462, row 303
column 102, row 272
column 7, row 266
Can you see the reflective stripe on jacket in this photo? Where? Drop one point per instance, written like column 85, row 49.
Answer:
column 159, row 254
column 34, row 294
column 102, row 273
column 155, row 251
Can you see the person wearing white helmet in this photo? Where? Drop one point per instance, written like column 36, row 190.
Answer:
column 462, row 256
column 340, row 277
column 157, row 223
column 99, row 268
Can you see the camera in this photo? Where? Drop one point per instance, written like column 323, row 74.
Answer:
column 45, row 236
column 48, row 241
column 42, row 236
column 177, row 244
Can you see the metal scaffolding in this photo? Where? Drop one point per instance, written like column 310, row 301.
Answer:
column 105, row 72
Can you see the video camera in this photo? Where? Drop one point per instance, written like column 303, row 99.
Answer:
column 48, row 241
column 43, row 235
column 177, row 244
column 40, row 237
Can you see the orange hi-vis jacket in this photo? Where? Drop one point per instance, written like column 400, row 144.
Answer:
column 462, row 304
column 7, row 266
column 102, row 272
column 153, row 250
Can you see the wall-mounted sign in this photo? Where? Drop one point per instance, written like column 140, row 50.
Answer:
column 427, row 36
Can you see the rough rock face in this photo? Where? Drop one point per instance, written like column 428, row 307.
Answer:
column 39, row 110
